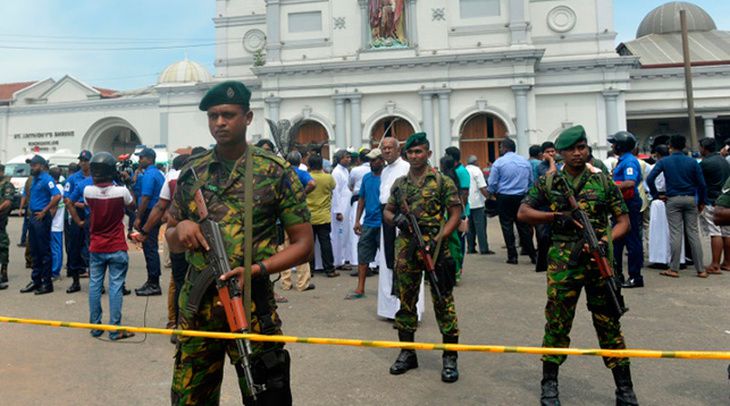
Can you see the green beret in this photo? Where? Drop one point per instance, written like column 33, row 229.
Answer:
column 415, row 140
column 229, row 92
column 570, row 137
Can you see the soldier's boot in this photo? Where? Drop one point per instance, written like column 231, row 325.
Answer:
column 407, row 359
column 75, row 286
column 450, row 370
column 625, row 395
column 4, row 277
column 549, row 384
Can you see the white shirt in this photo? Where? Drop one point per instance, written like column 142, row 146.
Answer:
column 57, row 223
column 171, row 176
column 390, row 173
column 356, row 175
column 476, row 183
column 341, row 195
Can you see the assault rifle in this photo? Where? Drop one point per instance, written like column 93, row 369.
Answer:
column 229, row 291
column 598, row 252
column 424, row 250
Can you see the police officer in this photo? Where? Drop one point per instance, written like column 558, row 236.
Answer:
column 147, row 191
column 43, row 196
column 628, row 177
column 434, row 200
column 277, row 195
column 570, row 269
column 6, row 199
column 77, row 238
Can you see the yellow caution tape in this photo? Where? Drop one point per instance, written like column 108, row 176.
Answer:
column 698, row 355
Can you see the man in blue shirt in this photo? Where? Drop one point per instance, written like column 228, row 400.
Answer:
column 509, row 180
column 148, row 187
column 685, row 199
column 77, row 238
column 369, row 230
column 43, row 196
column 627, row 175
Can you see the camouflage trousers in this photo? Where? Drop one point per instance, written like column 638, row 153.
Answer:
column 409, row 270
column 4, row 243
column 199, row 362
column 564, row 284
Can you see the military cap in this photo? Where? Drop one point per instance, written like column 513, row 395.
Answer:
column 415, row 140
column 147, row 152
column 229, row 92
column 570, row 137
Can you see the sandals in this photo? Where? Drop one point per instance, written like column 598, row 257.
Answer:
column 713, row 271
column 352, row 295
column 702, row 275
column 121, row 336
column 669, row 273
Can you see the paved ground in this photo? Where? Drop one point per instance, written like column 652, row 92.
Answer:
column 497, row 304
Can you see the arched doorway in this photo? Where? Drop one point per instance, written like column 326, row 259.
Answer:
column 116, row 140
column 480, row 135
column 311, row 134
column 391, row 126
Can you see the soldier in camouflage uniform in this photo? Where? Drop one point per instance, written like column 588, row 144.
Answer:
column 6, row 199
column 278, row 195
column 570, row 268
column 429, row 195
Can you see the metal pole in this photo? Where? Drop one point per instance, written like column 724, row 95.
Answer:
column 688, row 81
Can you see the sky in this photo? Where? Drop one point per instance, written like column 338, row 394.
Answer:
column 126, row 44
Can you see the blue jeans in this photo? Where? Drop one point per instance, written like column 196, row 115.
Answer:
column 151, row 253
column 56, row 252
column 118, row 263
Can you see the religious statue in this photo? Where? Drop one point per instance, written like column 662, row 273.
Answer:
column 387, row 24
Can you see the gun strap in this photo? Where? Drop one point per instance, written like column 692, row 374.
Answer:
column 248, row 232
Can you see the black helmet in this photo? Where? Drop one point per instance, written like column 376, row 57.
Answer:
column 103, row 165
column 623, row 140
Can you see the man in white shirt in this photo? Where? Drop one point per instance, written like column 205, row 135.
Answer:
column 57, row 228
column 477, row 217
column 341, row 208
column 356, row 175
column 388, row 302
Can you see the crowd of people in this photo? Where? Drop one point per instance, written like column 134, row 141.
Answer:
column 386, row 211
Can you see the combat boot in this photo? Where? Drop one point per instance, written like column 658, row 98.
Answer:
column 625, row 395
column 75, row 286
column 549, row 383
column 450, row 371
column 407, row 358
column 4, row 277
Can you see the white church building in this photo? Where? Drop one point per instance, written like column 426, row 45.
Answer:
column 467, row 72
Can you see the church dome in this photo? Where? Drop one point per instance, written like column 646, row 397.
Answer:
column 665, row 19
column 184, row 72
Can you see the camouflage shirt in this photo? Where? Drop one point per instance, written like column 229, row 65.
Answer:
column 278, row 194
column 7, row 191
column 427, row 200
column 599, row 198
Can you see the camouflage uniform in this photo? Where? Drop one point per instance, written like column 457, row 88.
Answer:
column 6, row 193
column 428, row 201
column 599, row 198
column 278, row 194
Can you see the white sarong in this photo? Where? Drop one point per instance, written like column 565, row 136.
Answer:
column 388, row 305
column 659, row 245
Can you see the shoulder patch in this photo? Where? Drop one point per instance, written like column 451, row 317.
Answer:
column 50, row 184
column 629, row 171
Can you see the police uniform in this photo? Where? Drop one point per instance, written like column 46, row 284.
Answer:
column 429, row 200
column 629, row 169
column 570, row 269
column 277, row 195
column 42, row 190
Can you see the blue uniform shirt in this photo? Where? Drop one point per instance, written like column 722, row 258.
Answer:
column 151, row 182
column 68, row 187
column 628, row 169
column 42, row 190
column 77, row 194
column 370, row 192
